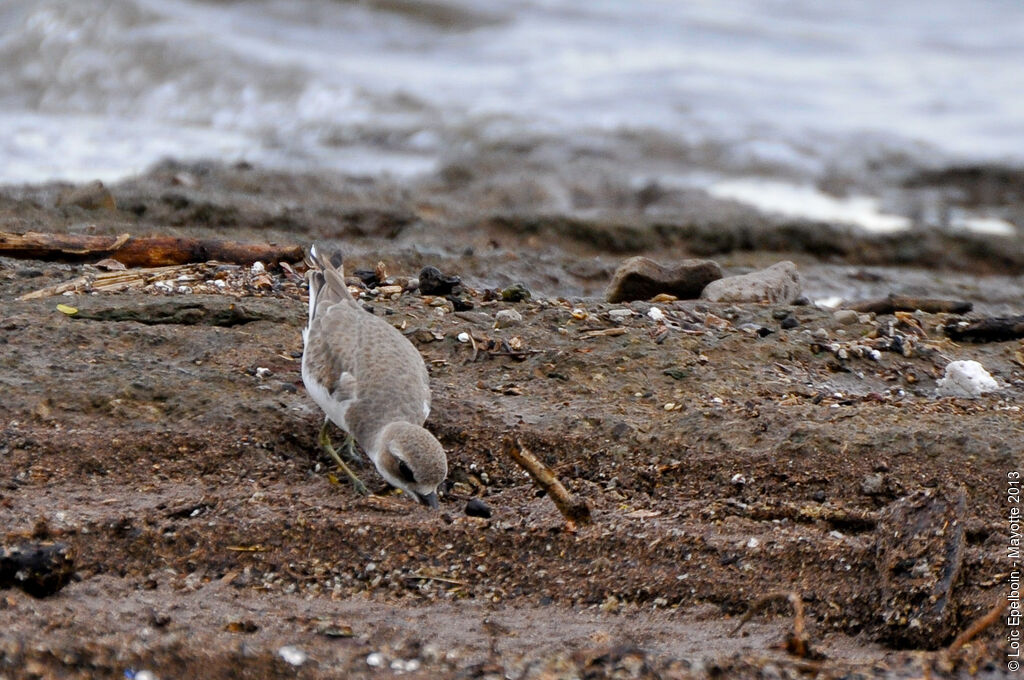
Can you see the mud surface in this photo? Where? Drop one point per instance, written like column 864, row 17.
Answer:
column 726, row 454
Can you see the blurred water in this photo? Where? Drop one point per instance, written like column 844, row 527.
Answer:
column 785, row 89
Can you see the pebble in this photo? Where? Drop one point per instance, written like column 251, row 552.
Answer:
column 619, row 315
column 872, row 485
column 656, row 314
column 477, row 508
column 506, row 318
column 375, row 659
column 789, row 322
column 846, row 317
column 517, row 292
column 433, row 282
column 966, row 379
column 640, row 278
column 293, row 655
column 779, row 283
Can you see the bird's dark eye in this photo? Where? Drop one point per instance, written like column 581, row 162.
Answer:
column 406, row 472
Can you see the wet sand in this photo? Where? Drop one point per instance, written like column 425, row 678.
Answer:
column 722, row 461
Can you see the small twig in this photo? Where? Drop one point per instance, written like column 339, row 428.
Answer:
column 603, row 333
column 575, row 511
column 472, row 342
column 427, row 577
column 796, row 642
column 977, row 627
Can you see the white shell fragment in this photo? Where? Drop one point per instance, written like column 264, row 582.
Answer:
column 966, row 379
column 293, row 655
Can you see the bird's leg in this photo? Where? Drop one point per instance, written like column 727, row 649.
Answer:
column 325, row 444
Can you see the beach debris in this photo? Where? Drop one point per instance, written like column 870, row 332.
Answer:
column 907, row 303
column 574, row 510
column 989, row 329
column 967, row 379
column 640, row 278
column 918, row 555
column 40, row 569
column 779, row 283
column 797, row 642
column 90, row 196
column 293, row 655
column 142, row 251
column 433, row 282
column 506, row 318
column 477, row 508
column 517, row 292
column 211, row 278
column 188, row 312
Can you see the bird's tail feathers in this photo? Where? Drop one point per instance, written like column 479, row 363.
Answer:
column 326, row 276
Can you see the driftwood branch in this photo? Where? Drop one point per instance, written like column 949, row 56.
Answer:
column 142, row 251
column 575, row 510
column 907, row 303
column 991, row 329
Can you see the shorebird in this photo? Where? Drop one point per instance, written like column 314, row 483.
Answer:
column 371, row 382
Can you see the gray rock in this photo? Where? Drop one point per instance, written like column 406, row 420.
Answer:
column 506, row 318
column 619, row 315
column 640, row 278
column 846, row 317
column 779, row 283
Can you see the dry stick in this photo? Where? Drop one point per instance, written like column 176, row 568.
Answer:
column 796, row 643
column 978, row 626
column 141, row 251
column 106, row 281
column 575, row 511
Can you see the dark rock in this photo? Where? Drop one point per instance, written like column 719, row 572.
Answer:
column 477, row 508
column 433, row 282
column 918, row 556
column 459, row 304
column 789, row 322
column 640, row 278
column 367, row 276
column 40, row 569
column 778, row 283
column 517, row 292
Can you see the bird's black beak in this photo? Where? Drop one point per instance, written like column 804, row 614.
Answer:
column 430, row 500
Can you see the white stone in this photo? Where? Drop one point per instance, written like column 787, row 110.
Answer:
column 292, row 654
column 506, row 318
column 656, row 314
column 463, row 337
column 619, row 315
column 966, row 379
column 375, row 659
column 258, row 268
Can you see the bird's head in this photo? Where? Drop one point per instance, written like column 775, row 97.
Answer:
column 412, row 460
